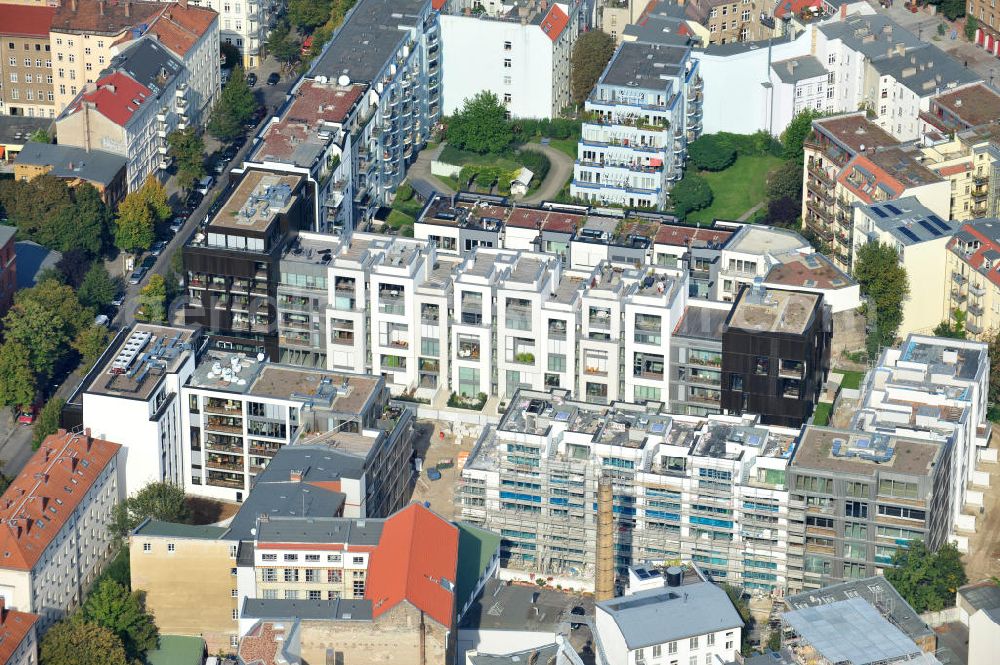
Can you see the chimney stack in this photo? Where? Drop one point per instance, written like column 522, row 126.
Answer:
column 72, row 5
column 101, row 6
column 295, row 475
column 128, row 8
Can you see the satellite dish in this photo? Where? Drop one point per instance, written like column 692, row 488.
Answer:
column 260, row 357
column 344, row 80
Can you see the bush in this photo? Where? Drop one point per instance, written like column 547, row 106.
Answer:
column 711, row 153
column 457, row 401
column 556, row 128
column 690, row 194
column 535, row 162
column 404, row 192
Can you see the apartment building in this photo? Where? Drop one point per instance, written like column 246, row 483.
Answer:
column 26, row 61
column 986, row 25
column 935, row 389
column 864, row 495
column 18, row 636
column 8, row 268
column 695, row 387
column 519, row 53
column 973, row 283
column 613, row 16
column 232, row 262
column 849, row 161
column 130, row 110
column 56, row 532
column 239, row 412
column 105, row 171
column 133, row 395
column 968, row 159
column 645, row 109
column 920, row 238
column 727, row 21
column 708, row 490
column 703, row 625
column 244, row 25
column 368, row 104
column 775, row 355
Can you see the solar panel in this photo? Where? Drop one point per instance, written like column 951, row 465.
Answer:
column 879, row 212
column 937, row 222
column 909, row 234
column 930, row 229
column 893, row 209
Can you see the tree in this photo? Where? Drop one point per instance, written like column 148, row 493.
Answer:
column 138, row 215
column 236, row 106
column 98, row 289
column 690, row 194
column 231, row 55
column 188, row 149
column 17, row 380
column 796, row 133
column 951, row 9
column 112, row 606
column 308, row 14
column 927, row 580
column 76, row 642
column 159, row 501
column 45, row 319
column 591, row 54
column 784, row 195
column 73, row 266
column 956, row 331
column 993, row 337
column 481, row 126
column 52, row 214
column 48, row 421
column 90, row 344
column 885, row 285
column 774, row 640
column 711, row 153
column 153, row 299
column 40, row 136
column 736, row 597
column 971, row 27
column 155, row 195
column 282, row 46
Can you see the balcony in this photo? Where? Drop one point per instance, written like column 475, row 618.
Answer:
column 342, row 337
column 980, row 191
column 557, row 330
column 389, row 305
column 472, row 318
column 980, row 178
column 468, row 350
column 977, row 291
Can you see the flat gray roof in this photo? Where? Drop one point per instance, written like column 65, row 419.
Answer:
column 521, row 607
column 174, row 530
column 139, row 359
column 331, row 610
column 72, row 162
column 981, row 596
column 671, row 613
column 283, row 499
column 640, row 65
column 368, row 39
column 872, row 639
column 776, row 311
column 864, row 453
column 320, row 530
column 909, row 221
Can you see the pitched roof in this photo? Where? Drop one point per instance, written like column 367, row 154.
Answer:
column 14, row 627
column 476, row 548
column 416, row 560
column 179, row 28
column 555, row 22
column 21, row 21
column 37, row 504
column 72, row 162
column 978, row 242
column 793, row 7
column 862, row 177
column 117, row 97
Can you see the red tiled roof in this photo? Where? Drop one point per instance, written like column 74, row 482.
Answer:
column 793, row 7
column 179, row 28
column 314, row 104
column 555, row 22
column 437, row 4
column 417, row 556
column 14, row 627
column 21, row 21
column 879, row 176
column 528, row 218
column 954, row 169
column 260, row 645
column 117, row 97
column 977, row 258
column 37, row 504
column 107, row 18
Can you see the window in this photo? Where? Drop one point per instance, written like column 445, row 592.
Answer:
column 315, row 595
column 27, row 61
column 311, row 575
column 13, row 77
column 671, row 648
column 506, row 63
column 506, row 80
column 146, row 547
column 291, row 574
column 358, row 560
column 268, row 557
column 710, row 639
column 761, row 365
column 13, row 62
column 506, row 46
column 170, row 547
column 640, row 655
column 236, row 615
column 745, row 16
column 897, row 488
column 235, row 593
column 268, row 575
column 693, row 643
column 506, row 98
column 856, row 509
column 312, row 557
column 657, row 648
column 291, row 557
column 857, row 489
column 291, row 594
column 902, row 513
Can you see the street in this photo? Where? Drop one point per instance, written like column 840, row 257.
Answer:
column 15, row 439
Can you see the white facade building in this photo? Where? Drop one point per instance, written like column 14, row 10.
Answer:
column 245, row 24
column 521, row 54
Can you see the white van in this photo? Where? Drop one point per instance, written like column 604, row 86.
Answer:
column 204, row 185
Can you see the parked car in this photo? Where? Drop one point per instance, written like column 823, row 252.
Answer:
column 273, row 78
column 158, row 248
column 238, row 143
column 220, row 166
column 118, row 301
column 137, row 275
column 26, row 414
column 177, row 224
column 193, row 201
column 101, row 320
column 251, row 79
column 204, row 185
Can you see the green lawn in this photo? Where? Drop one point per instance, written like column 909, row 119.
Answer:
column 852, row 380
column 567, row 146
column 452, row 155
column 821, row 416
column 736, row 189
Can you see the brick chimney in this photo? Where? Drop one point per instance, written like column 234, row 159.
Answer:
column 183, row 4
column 101, row 6
column 72, row 5
column 128, row 8
column 295, row 475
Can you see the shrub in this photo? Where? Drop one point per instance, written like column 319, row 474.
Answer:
column 711, row 153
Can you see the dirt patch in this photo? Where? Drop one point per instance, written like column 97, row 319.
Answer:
column 209, row 511
column 435, row 449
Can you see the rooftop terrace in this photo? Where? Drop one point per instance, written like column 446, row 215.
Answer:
column 850, row 451
column 773, row 310
column 144, row 356
column 256, row 202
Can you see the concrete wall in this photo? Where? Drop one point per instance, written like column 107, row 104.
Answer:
column 984, row 638
column 393, row 638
